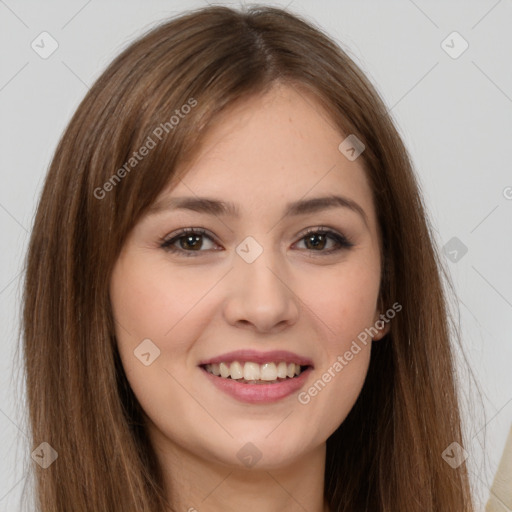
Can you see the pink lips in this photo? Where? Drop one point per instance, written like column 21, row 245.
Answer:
column 259, row 393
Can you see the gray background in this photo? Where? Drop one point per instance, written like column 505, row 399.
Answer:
column 455, row 116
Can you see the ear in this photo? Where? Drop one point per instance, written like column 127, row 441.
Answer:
column 383, row 327
column 381, row 323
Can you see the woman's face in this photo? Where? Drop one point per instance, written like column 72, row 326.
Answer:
column 259, row 290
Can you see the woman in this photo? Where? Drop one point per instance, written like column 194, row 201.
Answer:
column 233, row 299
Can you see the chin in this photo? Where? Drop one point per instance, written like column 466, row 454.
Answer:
column 267, row 451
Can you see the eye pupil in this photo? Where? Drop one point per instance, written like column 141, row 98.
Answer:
column 191, row 238
column 316, row 244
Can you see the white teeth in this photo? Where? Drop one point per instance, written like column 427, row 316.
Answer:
column 281, row 370
column 224, row 370
column 254, row 372
column 268, row 371
column 236, row 370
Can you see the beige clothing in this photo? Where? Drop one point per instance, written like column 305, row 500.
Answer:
column 500, row 497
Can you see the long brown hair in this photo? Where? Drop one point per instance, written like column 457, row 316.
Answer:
column 386, row 455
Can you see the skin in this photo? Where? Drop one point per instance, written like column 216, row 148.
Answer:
column 262, row 154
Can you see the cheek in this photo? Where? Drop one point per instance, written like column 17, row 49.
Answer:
column 332, row 395
column 148, row 306
column 344, row 303
column 149, row 303
column 147, row 311
column 343, row 306
column 345, row 359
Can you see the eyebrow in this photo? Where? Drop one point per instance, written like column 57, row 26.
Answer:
column 217, row 207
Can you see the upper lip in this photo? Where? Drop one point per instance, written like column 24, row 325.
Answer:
column 273, row 356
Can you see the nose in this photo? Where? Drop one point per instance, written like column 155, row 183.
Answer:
column 261, row 295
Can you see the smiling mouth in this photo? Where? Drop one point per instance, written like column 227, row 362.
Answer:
column 254, row 373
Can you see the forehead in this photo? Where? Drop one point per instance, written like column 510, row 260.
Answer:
column 272, row 149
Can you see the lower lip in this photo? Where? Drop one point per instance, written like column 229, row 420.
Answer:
column 259, row 393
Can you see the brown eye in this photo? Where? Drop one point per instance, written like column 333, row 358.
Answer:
column 188, row 241
column 317, row 239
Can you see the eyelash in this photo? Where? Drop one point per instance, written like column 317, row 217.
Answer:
column 167, row 243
